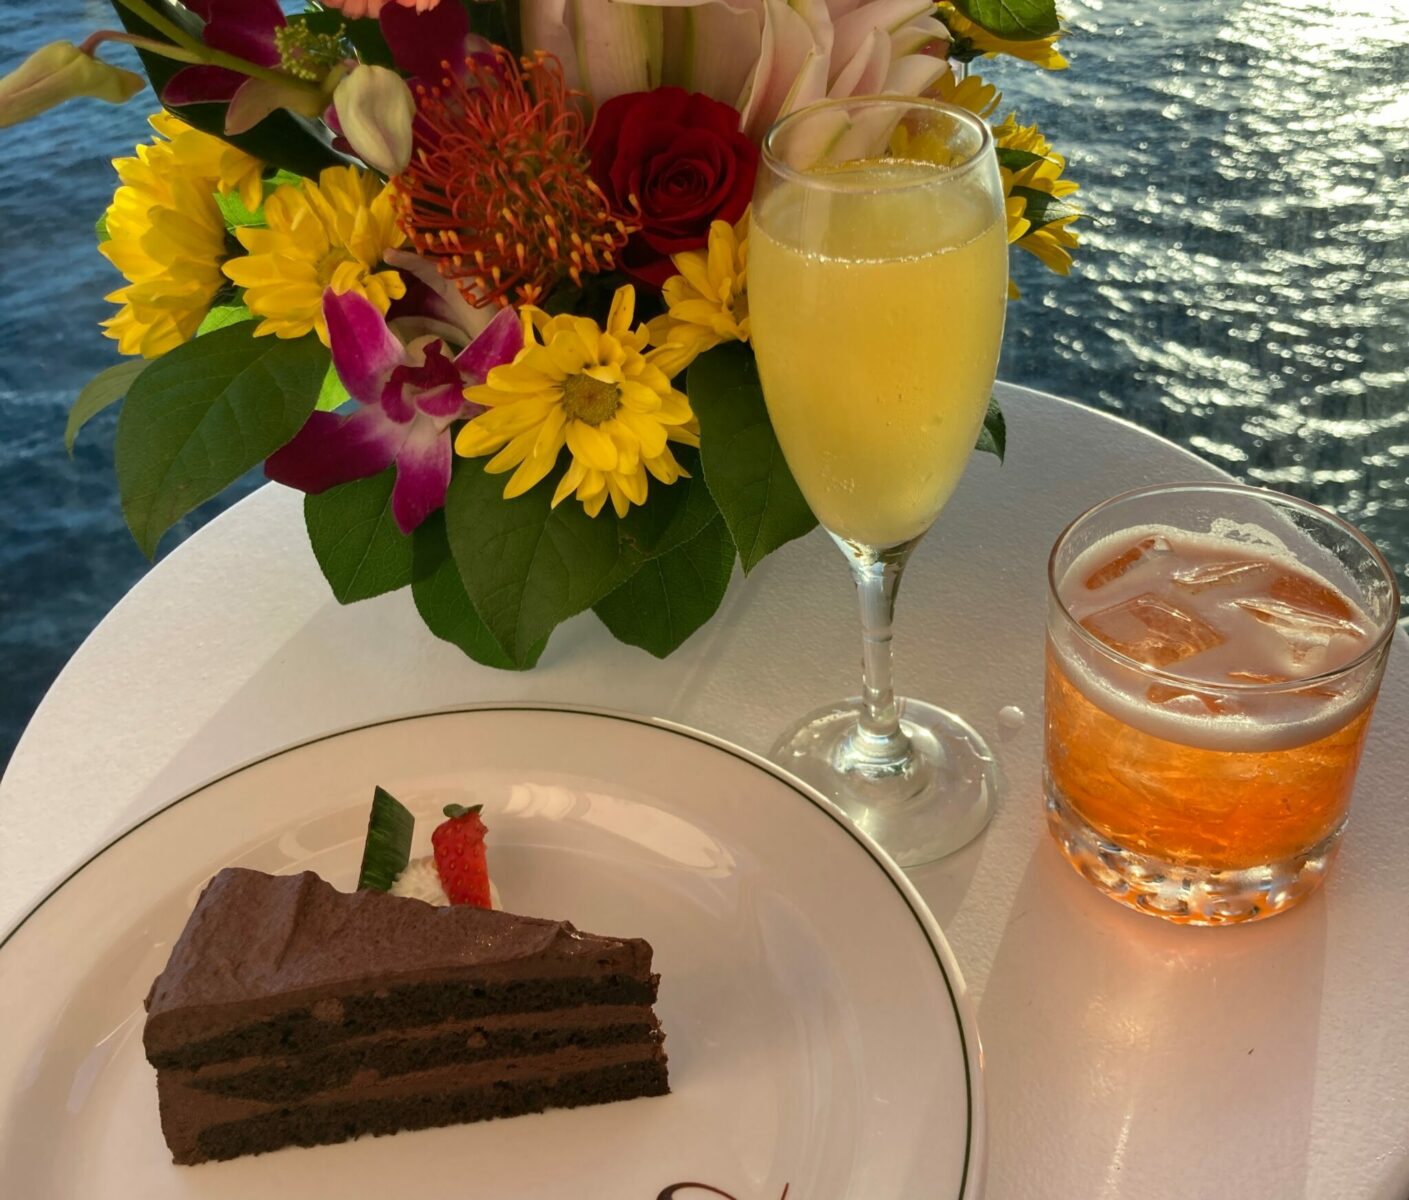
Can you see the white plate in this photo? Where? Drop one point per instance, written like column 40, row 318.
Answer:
column 818, row 1029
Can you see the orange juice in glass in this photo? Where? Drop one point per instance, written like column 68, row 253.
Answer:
column 1213, row 656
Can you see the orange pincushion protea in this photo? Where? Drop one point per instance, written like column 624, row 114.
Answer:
column 497, row 193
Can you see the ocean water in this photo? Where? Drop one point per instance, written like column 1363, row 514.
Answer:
column 1243, row 288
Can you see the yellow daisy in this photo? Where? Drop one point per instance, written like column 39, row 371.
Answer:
column 597, row 392
column 166, row 236
column 332, row 233
column 1053, row 243
column 1050, row 239
column 972, row 92
column 708, row 301
column 1042, row 51
column 229, row 168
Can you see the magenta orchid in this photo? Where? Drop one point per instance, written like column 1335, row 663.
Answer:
column 408, row 396
column 245, row 28
column 251, row 31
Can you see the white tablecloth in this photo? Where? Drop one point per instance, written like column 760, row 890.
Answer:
column 1123, row 1057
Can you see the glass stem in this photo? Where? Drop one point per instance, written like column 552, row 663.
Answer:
column 877, row 573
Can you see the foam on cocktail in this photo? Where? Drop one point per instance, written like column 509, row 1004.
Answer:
column 1234, row 609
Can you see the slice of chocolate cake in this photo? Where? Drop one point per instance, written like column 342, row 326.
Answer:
column 291, row 1013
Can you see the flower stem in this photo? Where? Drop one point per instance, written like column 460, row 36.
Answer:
column 165, row 49
column 140, row 8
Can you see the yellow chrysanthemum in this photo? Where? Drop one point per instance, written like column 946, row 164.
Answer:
column 332, row 233
column 597, row 392
column 227, row 166
column 1042, row 51
column 707, row 303
column 1050, row 239
column 167, row 237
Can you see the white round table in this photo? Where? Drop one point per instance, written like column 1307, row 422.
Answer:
column 1123, row 1057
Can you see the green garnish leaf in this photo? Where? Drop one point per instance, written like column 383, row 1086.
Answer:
column 388, row 847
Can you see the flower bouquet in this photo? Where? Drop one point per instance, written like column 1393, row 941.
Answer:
column 473, row 276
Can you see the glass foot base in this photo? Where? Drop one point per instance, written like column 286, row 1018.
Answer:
column 1186, row 895
column 928, row 805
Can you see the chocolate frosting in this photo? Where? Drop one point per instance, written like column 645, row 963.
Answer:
column 258, row 943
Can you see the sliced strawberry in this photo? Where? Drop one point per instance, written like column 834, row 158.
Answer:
column 459, row 856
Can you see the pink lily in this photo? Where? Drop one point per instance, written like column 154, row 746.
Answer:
column 408, row 396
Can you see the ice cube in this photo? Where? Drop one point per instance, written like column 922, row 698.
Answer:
column 1152, row 630
column 1295, row 620
column 1267, row 677
column 1257, row 677
column 1185, row 700
column 1310, row 596
column 1116, row 567
column 1307, row 631
column 1219, row 574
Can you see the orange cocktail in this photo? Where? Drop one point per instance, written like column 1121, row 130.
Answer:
column 1212, row 661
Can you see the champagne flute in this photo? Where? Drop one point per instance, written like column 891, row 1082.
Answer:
column 878, row 277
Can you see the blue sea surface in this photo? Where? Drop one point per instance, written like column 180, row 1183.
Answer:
column 1242, row 288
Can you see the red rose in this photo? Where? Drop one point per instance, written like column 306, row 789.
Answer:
column 682, row 157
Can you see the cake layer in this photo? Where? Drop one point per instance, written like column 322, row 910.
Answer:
column 261, row 949
column 199, row 1126
column 331, row 1019
column 289, row 1078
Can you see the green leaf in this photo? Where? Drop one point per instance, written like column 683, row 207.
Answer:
column 672, row 595
column 202, row 415
column 1042, row 207
column 446, row 608
column 281, row 139
column 100, row 228
column 743, row 463
column 222, row 315
column 236, row 215
column 387, row 850
column 993, row 437
column 526, row 566
column 1016, row 20
column 1016, row 160
column 105, row 388
column 356, row 540
column 332, row 395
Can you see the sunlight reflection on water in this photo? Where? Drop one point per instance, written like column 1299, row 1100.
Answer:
column 1245, row 283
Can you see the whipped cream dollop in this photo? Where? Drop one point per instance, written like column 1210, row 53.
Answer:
column 421, row 881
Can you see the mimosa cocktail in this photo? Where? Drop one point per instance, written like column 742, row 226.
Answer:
column 877, row 283
column 877, row 339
